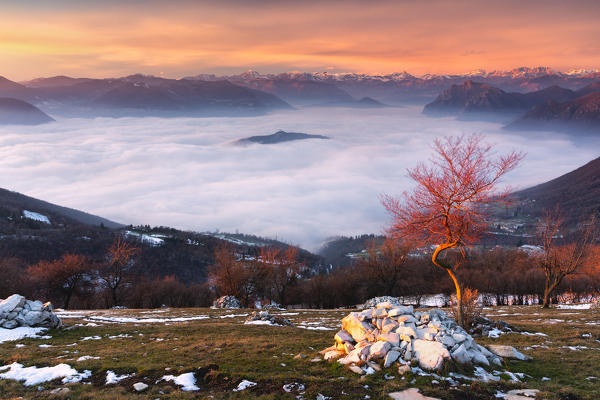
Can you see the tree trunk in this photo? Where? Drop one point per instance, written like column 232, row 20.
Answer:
column 67, row 300
column 459, row 299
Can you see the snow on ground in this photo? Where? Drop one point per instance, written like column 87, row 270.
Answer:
column 260, row 322
column 186, row 381
column 574, row 306
column 34, row 375
column 21, row 332
column 113, row 379
column 84, row 358
column 146, row 320
column 152, row 239
column 36, row 216
column 245, row 384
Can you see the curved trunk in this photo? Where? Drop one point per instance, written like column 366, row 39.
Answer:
column 451, row 272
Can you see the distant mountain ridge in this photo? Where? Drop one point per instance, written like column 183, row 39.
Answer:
column 140, row 95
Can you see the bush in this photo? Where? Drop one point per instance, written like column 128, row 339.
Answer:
column 471, row 307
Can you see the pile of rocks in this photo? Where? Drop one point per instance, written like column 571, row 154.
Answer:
column 273, row 306
column 227, row 302
column 486, row 327
column 390, row 334
column 395, row 301
column 17, row 311
column 270, row 319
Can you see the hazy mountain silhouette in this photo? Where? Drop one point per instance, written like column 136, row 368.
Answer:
column 19, row 112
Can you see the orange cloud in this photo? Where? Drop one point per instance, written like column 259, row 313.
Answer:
column 182, row 38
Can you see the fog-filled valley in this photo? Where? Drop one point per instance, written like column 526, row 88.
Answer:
column 187, row 172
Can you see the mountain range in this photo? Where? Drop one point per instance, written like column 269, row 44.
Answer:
column 553, row 107
column 251, row 93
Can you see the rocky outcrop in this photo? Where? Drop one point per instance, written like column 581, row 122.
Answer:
column 17, row 311
column 227, row 302
column 388, row 335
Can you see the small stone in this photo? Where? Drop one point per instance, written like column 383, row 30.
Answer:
column 140, row 386
column 356, row 369
column 404, row 368
column 380, row 349
column 410, row 394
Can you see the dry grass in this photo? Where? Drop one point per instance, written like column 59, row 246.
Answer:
column 223, row 351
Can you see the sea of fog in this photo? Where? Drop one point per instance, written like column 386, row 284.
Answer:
column 185, row 173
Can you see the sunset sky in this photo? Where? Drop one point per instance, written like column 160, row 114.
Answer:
column 179, row 38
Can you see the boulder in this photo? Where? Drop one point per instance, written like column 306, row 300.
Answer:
column 10, row 303
column 358, row 329
column 391, row 357
column 343, row 336
column 380, row 349
column 429, row 354
column 508, row 352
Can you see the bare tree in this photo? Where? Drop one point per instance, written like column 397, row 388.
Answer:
column 384, row 264
column 562, row 257
column 62, row 277
column 448, row 207
column 118, row 261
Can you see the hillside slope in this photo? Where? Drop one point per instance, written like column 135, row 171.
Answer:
column 577, row 193
column 19, row 112
column 17, row 202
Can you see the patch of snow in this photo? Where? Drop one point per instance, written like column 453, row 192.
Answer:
column 186, row 381
column 36, row 216
column 316, row 328
column 34, row 375
column 260, row 322
column 147, row 320
column 495, row 333
column 84, row 358
column 112, row 378
column 245, row 384
column 91, row 338
column 21, row 332
column 574, row 306
column 233, row 315
column 533, row 334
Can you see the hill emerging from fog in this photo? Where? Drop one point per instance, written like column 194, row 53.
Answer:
column 278, row 137
column 581, row 114
column 19, row 112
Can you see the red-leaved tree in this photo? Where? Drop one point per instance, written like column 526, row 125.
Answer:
column 449, row 206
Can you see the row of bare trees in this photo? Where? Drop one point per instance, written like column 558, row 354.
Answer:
column 268, row 277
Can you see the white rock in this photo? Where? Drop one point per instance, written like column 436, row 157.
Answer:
column 355, row 327
column 140, row 386
column 410, row 394
column 429, row 354
column 392, row 338
column 507, row 352
column 10, row 303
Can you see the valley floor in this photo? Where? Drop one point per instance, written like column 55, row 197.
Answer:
column 162, row 347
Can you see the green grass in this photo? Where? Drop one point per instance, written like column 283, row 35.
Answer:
column 223, row 351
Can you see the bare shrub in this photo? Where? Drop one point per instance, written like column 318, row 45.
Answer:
column 471, row 306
